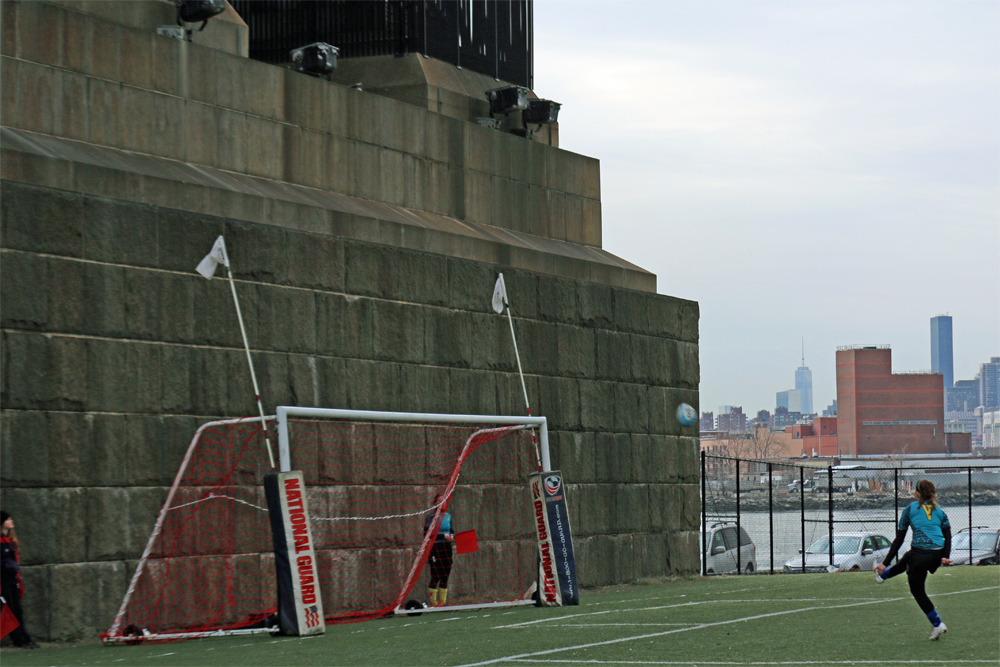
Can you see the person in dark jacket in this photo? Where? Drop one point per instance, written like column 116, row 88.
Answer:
column 929, row 549
column 440, row 560
column 10, row 580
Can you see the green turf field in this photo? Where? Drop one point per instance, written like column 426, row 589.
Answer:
column 821, row 619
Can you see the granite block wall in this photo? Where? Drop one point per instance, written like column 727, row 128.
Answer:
column 366, row 236
column 115, row 350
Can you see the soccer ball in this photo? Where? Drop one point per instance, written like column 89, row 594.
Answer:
column 686, row 415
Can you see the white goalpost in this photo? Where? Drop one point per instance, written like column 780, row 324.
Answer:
column 378, row 487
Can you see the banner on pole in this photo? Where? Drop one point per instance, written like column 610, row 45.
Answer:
column 216, row 256
column 499, row 295
column 300, row 606
column 557, row 584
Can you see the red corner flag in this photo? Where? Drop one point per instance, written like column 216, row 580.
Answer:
column 8, row 622
column 466, row 542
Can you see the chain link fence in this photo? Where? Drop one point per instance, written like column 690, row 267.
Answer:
column 770, row 516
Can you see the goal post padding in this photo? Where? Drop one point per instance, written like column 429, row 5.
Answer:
column 370, row 483
column 300, row 605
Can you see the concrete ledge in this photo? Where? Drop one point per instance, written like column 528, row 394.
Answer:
column 75, row 166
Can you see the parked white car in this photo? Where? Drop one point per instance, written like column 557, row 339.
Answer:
column 722, row 554
column 851, row 551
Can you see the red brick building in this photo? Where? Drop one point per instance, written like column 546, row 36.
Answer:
column 819, row 437
column 880, row 413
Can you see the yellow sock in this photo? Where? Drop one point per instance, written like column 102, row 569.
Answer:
column 432, row 597
column 442, row 596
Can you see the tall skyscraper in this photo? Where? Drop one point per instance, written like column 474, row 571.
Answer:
column 804, row 384
column 942, row 360
column 989, row 384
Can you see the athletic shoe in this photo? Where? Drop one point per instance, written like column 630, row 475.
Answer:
column 938, row 631
column 878, row 578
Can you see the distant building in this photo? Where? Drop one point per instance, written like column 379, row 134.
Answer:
column 989, row 384
column 782, row 418
column 707, row 422
column 818, row 438
column 790, row 400
column 991, row 429
column 733, row 421
column 831, row 410
column 963, row 396
column 804, row 385
column 763, row 418
column 883, row 413
column 942, row 360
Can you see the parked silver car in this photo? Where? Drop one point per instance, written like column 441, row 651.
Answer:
column 851, row 551
column 721, row 556
column 985, row 544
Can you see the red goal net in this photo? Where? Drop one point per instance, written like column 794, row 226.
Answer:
column 373, row 489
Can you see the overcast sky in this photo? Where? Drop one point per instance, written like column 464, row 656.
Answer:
column 808, row 169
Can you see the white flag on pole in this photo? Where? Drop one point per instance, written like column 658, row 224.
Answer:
column 499, row 295
column 212, row 260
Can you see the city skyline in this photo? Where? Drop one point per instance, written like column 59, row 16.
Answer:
column 819, row 170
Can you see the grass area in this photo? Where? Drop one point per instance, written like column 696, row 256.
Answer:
column 821, row 619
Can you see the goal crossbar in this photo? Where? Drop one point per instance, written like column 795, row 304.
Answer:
column 285, row 412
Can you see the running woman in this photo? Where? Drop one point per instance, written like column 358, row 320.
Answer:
column 929, row 549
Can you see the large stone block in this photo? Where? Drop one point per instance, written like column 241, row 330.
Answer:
column 631, row 408
column 575, row 351
column 87, row 596
column 49, row 523
column 448, row 337
column 613, row 354
column 470, row 285
column 316, row 261
column 398, row 332
column 286, row 319
column 119, row 232
column 682, row 553
column 573, row 452
column 24, row 291
column 105, row 447
column 344, row 326
column 24, row 450
column 559, row 400
column 597, row 405
column 596, row 304
column 122, row 377
column 48, row 371
column 473, row 392
column 424, row 389
column 539, row 347
column 613, row 458
column 36, row 605
column 42, row 220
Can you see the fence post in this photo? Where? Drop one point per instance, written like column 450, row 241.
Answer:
column 770, row 511
column 802, row 514
column 970, row 516
column 895, row 484
column 739, row 537
column 704, row 526
column 829, row 497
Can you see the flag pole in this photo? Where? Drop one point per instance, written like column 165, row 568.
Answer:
column 207, row 267
column 499, row 303
column 253, row 376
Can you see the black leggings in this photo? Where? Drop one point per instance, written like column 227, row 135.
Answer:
column 440, row 564
column 12, row 594
column 918, row 563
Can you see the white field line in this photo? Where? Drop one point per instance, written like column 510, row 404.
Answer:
column 701, row 626
column 700, row 663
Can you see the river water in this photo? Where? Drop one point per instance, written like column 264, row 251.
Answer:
column 788, row 528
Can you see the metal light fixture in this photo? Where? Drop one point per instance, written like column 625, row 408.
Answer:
column 541, row 112
column 507, row 99
column 317, row 59
column 192, row 11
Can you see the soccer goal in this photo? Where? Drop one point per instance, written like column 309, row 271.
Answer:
column 377, row 486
